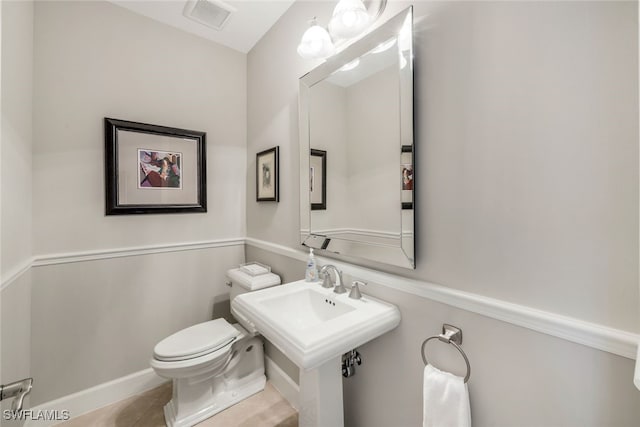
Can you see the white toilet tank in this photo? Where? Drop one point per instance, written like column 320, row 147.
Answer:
column 242, row 282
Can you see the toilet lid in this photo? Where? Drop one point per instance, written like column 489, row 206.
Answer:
column 196, row 340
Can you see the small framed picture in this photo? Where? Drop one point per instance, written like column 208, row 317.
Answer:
column 318, row 179
column 267, row 175
column 153, row 169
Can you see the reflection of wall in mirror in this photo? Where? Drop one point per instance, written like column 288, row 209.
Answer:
column 359, row 126
column 374, row 152
column 328, row 132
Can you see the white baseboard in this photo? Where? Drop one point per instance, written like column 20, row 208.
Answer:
column 282, row 382
column 98, row 396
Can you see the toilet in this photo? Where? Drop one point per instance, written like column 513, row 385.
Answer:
column 215, row 364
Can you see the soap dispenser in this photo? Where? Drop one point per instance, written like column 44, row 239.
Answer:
column 311, row 274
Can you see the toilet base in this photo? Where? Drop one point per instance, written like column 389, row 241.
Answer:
column 217, row 403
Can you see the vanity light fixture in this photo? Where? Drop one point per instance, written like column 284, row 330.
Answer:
column 316, row 42
column 350, row 19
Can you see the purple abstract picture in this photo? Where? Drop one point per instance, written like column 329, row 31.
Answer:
column 159, row 169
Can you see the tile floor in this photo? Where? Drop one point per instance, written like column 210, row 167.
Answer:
column 265, row 409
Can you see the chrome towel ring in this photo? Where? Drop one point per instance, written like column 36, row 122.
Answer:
column 450, row 335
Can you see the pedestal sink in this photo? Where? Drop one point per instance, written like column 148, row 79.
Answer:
column 314, row 326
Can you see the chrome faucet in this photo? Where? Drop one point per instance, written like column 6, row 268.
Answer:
column 339, row 284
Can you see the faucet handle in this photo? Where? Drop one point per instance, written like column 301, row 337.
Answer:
column 326, row 278
column 355, row 290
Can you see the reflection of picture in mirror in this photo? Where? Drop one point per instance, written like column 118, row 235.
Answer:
column 318, row 179
column 407, row 177
column 267, row 175
column 158, row 169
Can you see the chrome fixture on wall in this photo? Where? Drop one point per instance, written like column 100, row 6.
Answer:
column 450, row 335
column 18, row 391
column 349, row 20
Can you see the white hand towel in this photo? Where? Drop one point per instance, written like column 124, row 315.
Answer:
column 446, row 400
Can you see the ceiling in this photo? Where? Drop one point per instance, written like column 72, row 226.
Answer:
column 251, row 20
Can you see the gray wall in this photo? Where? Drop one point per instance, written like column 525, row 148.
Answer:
column 527, row 145
column 98, row 320
column 96, row 60
column 17, row 132
column 15, row 190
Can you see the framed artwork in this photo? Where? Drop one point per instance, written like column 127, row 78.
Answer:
column 267, row 175
column 318, row 179
column 153, row 169
column 406, row 173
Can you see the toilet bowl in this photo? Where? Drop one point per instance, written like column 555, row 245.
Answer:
column 213, row 365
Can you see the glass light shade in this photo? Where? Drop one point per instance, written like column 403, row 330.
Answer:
column 384, row 46
column 316, row 43
column 349, row 19
column 351, row 65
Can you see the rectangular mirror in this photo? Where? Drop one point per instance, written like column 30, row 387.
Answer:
column 357, row 148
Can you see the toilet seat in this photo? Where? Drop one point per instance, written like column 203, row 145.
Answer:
column 196, row 341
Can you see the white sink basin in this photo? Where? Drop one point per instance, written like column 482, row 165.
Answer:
column 312, row 324
column 305, row 308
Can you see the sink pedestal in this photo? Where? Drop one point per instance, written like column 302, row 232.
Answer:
column 321, row 395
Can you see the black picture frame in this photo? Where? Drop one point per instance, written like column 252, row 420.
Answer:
column 268, row 175
column 322, row 205
column 122, row 138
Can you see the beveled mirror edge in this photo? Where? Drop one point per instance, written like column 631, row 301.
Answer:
column 305, row 200
column 387, row 30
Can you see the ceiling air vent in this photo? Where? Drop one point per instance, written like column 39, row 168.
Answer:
column 212, row 13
